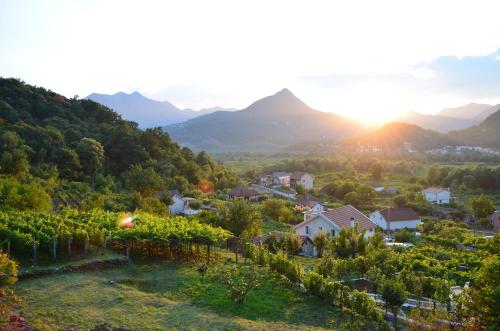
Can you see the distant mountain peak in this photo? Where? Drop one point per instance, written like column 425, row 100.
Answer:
column 145, row 111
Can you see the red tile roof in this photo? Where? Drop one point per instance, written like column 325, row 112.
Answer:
column 297, row 175
column 399, row 214
column 342, row 217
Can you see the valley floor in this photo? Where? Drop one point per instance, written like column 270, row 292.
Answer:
column 157, row 296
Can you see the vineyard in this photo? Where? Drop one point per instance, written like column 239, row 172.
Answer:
column 75, row 232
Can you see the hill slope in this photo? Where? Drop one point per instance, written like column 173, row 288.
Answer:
column 44, row 135
column 468, row 111
column 486, row 134
column 437, row 122
column 271, row 123
column 147, row 112
column 394, row 135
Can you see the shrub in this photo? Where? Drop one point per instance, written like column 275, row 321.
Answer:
column 195, row 204
column 404, row 235
column 313, row 282
column 240, row 282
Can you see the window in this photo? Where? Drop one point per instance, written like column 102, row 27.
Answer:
column 307, row 229
column 333, row 232
column 320, row 228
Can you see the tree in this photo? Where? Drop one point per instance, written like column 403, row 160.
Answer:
column 377, row 170
column 351, row 198
column 8, row 276
column 442, row 291
column 320, row 240
column 400, row 201
column 240, row 282
column 292, row 243
column 241, row 218
column 68, row 163
column 146, row 181
column 91, row 154
column 394, row 295
column 15, row 164
column 349, row 242
column 274, row 208
column 300, row 189
column 481, row 206
column 481, row 302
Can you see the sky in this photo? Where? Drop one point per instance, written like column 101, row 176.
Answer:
column 370, row 60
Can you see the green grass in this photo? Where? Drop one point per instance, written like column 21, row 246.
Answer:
column 271, row 225
column 154, row 296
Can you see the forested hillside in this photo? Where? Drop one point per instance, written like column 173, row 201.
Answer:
column 58, row 152
column 395, row 135
column 486, row 134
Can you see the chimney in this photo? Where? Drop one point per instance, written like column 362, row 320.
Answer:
column 352, row 222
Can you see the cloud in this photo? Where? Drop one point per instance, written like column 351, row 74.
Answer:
column 470, row 77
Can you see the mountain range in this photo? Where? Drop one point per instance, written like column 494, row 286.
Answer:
column 148, row 112
column 395, row 135
column 271, row 123
column 282, row 121
column 471, row 111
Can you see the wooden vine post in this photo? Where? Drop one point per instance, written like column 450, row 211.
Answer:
column 69, row 247
column 8, row 247
column 208, row 253
column 33, row 244
column 54, row 248
column 85, row 245
column 104, row 243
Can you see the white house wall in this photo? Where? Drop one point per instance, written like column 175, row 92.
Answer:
column 438, row 197
column 378, row 219
column 404, row 224
column 316, row 224
column 177, row 207
column 307, row 182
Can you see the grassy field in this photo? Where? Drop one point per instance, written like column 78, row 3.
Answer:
column 270, row 225
column 154, row 296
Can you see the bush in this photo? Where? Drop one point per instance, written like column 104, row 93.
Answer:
column 240, row 282
column 404, row 235
column 285, row 267
column 313, row 282
column 195, row 204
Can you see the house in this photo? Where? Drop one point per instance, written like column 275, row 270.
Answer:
column 281, row 178
column 310, row 204
column 302, row 178
column 437, row 195
column 396, row 218
column 243, row 192
column 266, row 180
column 177, row 206
column 334, row 220
column 495, row 220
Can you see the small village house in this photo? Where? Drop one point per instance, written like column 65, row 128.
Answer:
column 281, row 178
column 436, row 195
column 177, row 205
column 333, row 221
column 495, row 220
column 396, row 218
column 243, row 192
column 310, row 204
column 302, row 178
